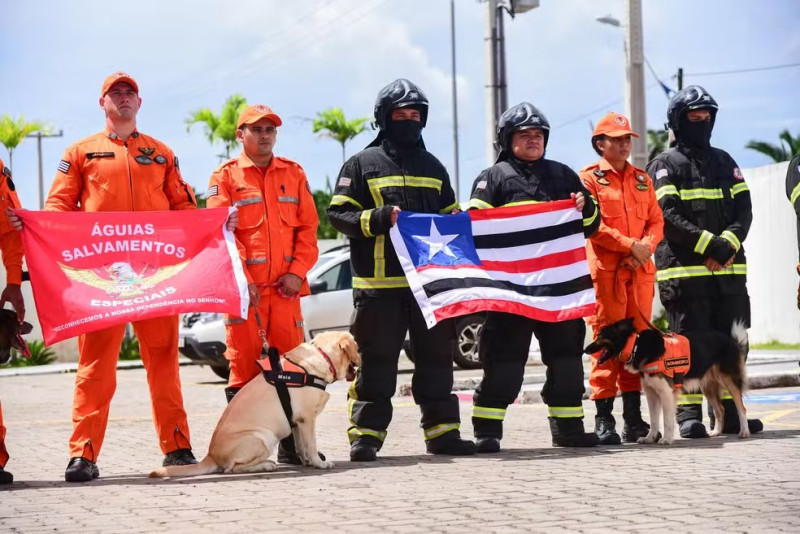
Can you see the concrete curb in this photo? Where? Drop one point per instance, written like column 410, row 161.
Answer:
column 72, row 367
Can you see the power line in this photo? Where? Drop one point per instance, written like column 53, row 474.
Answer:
column 738, row 71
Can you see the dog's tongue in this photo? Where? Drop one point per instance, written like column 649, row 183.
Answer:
column 22, row 346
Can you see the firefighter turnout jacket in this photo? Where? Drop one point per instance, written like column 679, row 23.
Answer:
column 369, row 185
column 707, row 214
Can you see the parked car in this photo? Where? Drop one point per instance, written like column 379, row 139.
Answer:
column 328, row 307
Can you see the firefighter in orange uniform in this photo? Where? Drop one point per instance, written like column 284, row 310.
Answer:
column 121, row 169
column 277, row 241
column 621, row 266
column 11, row 249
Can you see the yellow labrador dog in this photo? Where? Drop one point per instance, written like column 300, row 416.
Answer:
column 254, row 422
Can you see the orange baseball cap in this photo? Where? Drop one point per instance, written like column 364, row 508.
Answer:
column 118, row 77
column 255, row 113
column 614, row 125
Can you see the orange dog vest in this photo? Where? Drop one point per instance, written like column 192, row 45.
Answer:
column 675, row 361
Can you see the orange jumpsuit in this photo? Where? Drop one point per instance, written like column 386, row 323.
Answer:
column 629, row 212
column 103, row 173
column 11, row 248
column 276, row 234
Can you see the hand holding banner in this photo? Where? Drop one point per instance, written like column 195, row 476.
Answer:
column 91, row 270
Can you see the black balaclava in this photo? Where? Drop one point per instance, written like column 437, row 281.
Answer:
column 405, row 134
column 694, row 134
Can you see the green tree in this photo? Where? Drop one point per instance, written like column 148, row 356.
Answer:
column 220, row 127
column 200, row 197
column 13, row 132
column 332, row 123
column 322, row 199
column 657, row 142
column 788, row 147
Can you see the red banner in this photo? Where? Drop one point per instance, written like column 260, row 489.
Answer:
column 93, row 270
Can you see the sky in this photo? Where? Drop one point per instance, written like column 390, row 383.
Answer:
column 304, row 56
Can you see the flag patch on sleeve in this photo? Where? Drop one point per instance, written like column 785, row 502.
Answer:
column 63, row 166
column 212, row 191
column 344, row 181
column 661, row 173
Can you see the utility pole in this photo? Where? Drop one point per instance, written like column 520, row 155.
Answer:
column 38, row 136
column 455, row 94
column 680, row 78
column 635, row 86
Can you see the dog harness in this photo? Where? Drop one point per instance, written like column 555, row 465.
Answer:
column 674, row 363
column 284, row 374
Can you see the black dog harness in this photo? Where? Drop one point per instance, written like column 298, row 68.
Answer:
column 284, row 374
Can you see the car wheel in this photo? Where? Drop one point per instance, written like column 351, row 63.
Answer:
column 468, row 337
column 222, row 370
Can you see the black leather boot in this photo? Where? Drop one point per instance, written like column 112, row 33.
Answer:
column 287, row 452
column 450, row 443
column 634, row 427
column 364, row 449
column 569, row 432
column 5, row 477
column 487, row 445
column 690, row 421
column 731, row 423
column 179, row 457
column 230, row 393
column 605, row 426
column 81, row 470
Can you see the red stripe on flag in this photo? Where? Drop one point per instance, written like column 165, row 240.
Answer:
column 520, row 211
column 529, row 265
column 467, row 307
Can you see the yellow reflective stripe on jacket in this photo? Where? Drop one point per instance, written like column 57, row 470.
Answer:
column 339, row 200
column 353, row 433
column 731, row 238
column 703, row 241
column 483, row 412
column 564, row 412
column 698, row 270
column 666, row 190
column 450, row 208
column 476, row 203
column 438, row 430
column 364, row 220
column 739, row 188
column 795, row 194
column 520, row 203
column 590, row 220
column 387, row 282
column 690, row 398
column 379, row 257
column 376, row 184
column 695, row 194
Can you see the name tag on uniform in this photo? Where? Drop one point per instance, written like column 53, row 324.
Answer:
column 95, row 155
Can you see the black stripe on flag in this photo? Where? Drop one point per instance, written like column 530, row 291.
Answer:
column 529, row 237
column 559, row 289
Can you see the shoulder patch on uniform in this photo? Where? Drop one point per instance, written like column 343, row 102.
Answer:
column 63, row 166
column 599, row 173
column 603, row 181
column 661, row 173
column 641, row 178
column 642, row 187
column 212, row 191
column 482, row 184
column 344, row 181
column 737, row 173
column 147, row 151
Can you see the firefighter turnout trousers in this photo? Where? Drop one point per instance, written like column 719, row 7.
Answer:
column 505, row 341
column 379, row 329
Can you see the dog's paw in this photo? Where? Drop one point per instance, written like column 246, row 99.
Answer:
column 327, row 464
column 647, row 440
column 715, row 432
column 666, row 441
column 745, row 433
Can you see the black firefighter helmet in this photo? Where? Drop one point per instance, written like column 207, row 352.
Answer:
column 689, row 99
column 523, row 116
column 401, row 93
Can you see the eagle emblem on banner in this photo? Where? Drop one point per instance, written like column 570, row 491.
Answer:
column 123, row 281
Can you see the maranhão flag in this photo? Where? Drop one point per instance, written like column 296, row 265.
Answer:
column 527, row 260
column 92, row 270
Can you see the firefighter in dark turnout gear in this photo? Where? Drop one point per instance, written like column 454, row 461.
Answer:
column 522, row 175
column 702, row 269
column 793, row 194
column 395, row 173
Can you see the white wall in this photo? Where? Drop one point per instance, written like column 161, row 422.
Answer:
column 771, row 248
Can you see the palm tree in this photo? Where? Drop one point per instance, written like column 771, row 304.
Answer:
column 322, row 199
column 13, row 132
column 220, row 127
column 781, row 152
column 332, row 123
column 657, row 141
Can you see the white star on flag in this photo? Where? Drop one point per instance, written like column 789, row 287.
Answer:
column 437, row 242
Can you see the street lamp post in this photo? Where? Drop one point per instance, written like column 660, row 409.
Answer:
column 634, row 78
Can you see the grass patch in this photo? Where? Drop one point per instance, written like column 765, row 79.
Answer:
column 775, row 345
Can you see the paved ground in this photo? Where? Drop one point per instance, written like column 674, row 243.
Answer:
column 723, row 484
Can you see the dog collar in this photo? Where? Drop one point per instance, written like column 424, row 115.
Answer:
column 327, row 359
